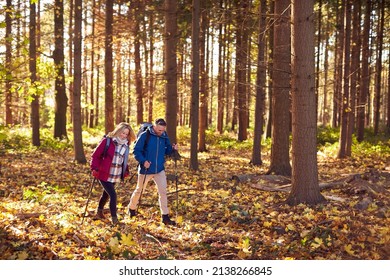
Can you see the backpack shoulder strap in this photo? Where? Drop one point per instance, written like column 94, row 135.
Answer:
column 147, row 138
column 108, row 140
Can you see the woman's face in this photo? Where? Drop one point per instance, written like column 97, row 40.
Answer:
column 124, row 134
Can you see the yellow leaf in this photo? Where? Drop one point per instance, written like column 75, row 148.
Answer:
column 22, row 255
column 245, row 245
column 242, row 254
column 317, row 243
column 179, row 219
column 290, row 227
column 224, row 194
column 267, row 224
column 372, row 207
column 304, row 232
column 114, row 245
column 348, row 249
column 258, row 206
column 127, row 239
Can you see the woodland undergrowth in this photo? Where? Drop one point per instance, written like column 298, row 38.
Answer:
column 43, row 195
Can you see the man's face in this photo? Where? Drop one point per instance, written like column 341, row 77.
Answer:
column 159, row 129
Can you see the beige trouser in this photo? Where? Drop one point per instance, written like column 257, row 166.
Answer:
column 160, row 180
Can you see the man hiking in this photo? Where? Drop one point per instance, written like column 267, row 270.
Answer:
column 150, row 150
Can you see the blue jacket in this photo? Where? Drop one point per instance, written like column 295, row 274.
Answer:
column 155, row 151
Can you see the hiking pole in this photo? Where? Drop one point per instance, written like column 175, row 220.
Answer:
column 142, row 190
column 177, row 193
column 132, row 176
column 176, row 157
column 89, row 195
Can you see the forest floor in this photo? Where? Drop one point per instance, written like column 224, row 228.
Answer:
column 43, row 195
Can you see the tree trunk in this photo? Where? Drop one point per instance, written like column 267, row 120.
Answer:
column 171, row 67
column 119, row 102
column 221, row 73
column 268, row 133
column 8, row 58
column 241, row 72
column 203, row 80
column 378, row 66
column 33, row 76
column 92, row 111
column 137, row 63
column 97, row 111
column 77, row 122
column 260, row 87
column 109, row 91
column 345, row 101
column 21, row 115
column 280, row 160
column 151, row 85
column 338, row 73
column 325, row 109
column 365, row 77
column 305, row 187
column 194, row 165
column 388, row 97
column 59, row 62
column 355, row 67
column 146, row 53
column 84, row 77
column 319, row 54
column 129, row 84
column 229, row 96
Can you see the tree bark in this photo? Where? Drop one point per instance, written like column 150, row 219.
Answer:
column 355, row 73
column 365, row 76
column 137, row 62
column 260, row 87
column 338, row 64
column 268, row 133
column 280, row 159
column 345, row 100
column 70, row 57
column 33, row 76
column 8, row 58
column 194, row 165
column 77, row 121
column 92, row 111
column 325, row 109
column 108, row 72
column 171, row 68
column 241, row 66
column 59, row 62
column 203, row 80
column 151, row 84
column 378, row 66
column 221, row 73
column 305, row 187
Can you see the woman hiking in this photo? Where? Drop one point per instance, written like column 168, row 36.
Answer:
column 109, row 164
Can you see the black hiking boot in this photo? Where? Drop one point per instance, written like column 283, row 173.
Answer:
column 115, row 221
column 167, row 221
column 132, row 213
column 99, row 214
